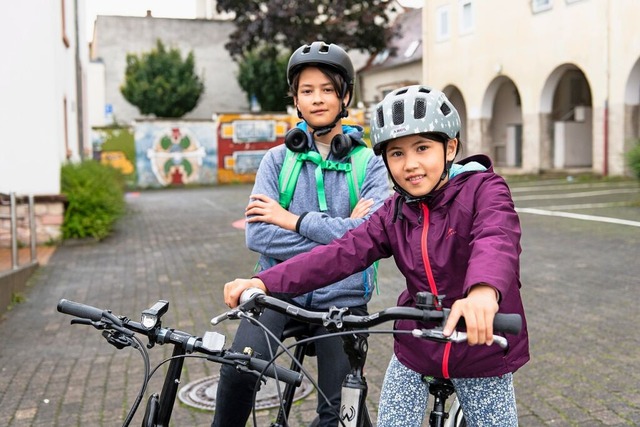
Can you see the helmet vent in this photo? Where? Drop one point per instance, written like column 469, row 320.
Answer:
column 324, row 48
column 444, row 108
column 380, row 118
column 397, row 112
column 424, row 90
column 420, row 108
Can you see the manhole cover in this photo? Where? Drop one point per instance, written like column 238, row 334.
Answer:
column 201, row 393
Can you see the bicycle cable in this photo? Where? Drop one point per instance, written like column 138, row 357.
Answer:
column 139, row 345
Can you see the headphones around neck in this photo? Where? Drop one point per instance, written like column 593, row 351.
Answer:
column 296, row 140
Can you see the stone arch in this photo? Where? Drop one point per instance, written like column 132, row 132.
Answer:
column 501, row 113
column 566, row 122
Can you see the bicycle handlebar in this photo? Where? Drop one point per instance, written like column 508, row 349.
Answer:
column 80, row 310
column 211, row 344
column 253, row 300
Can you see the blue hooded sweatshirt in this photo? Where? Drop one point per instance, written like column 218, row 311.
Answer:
column 316, row 228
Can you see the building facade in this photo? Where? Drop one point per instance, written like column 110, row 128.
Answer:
column 42, row 113
column 542, row 84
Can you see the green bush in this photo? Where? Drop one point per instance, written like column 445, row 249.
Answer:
column 160, row 82
column 633, row 159
column 95, row 199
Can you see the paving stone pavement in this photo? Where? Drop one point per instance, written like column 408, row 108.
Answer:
column 580, row 285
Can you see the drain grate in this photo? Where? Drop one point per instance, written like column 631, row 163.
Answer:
column 201, row 393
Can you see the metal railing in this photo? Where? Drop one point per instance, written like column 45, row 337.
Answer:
column 12, row 200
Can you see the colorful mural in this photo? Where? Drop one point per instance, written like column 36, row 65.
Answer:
column 172, row 153
column 227, row 149
column 118, row 160
column 243, row 139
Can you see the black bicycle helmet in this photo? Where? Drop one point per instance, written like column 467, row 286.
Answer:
column 323, row 54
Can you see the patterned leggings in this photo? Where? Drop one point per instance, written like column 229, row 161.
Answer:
column 485, row 401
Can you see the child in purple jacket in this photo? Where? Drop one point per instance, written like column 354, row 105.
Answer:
column 452, row 230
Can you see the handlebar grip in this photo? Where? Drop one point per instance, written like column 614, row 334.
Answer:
column 80, row 310
column 284, row 374
column 507, row 323
column 249, row 293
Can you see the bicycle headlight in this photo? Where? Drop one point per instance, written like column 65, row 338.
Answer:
column 148, row 320
column 151, row 316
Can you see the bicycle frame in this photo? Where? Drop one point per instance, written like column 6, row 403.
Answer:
column 159, row 407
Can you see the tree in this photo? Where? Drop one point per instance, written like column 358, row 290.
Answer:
column 160, row 82
column 262, row 73
column 353, row 24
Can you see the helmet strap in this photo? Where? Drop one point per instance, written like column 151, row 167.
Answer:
column 408, row 198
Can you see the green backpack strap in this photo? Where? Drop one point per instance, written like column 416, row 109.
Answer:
column 290, row 169
column 359, row 157
column 355, row 171
column 288, row 178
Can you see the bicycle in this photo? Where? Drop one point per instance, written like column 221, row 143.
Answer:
column 120, row 331
column 353, row 330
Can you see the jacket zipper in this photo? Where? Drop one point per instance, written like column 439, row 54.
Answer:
column 432, row 282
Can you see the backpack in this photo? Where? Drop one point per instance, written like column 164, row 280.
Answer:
column 355, row 171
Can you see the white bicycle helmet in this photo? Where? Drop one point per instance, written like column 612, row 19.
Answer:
column 413, row 110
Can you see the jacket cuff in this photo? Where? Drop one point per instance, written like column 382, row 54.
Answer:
column 299, row 222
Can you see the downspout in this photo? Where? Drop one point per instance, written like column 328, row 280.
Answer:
column 79, row 81
column 605, row 166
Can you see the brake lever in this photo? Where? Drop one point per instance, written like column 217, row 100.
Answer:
column 247, row 306
column 231, row 314
column 117, row 339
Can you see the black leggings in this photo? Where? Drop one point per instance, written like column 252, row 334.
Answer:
column 234, row 398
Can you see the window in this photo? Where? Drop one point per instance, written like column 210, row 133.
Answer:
column 443, row 27
column 381, row 57
column 466, row 16
column 411, row 49
column 540, row 5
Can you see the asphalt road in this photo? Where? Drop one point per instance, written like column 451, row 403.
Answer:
column 580, row 276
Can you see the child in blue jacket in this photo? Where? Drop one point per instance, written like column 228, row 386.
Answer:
column 321, row 209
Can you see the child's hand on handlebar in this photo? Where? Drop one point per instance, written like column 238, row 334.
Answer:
column 233, row 290
column 478, row 309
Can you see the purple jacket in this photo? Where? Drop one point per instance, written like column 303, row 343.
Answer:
column 466, row 234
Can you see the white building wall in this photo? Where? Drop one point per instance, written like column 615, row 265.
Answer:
column 38, row 73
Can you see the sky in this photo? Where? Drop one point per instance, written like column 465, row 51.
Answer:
column 158, row 8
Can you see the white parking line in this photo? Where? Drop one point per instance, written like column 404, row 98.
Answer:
column 535, row 211
column 575, row 195
column 587, row 206
column 575, row 186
